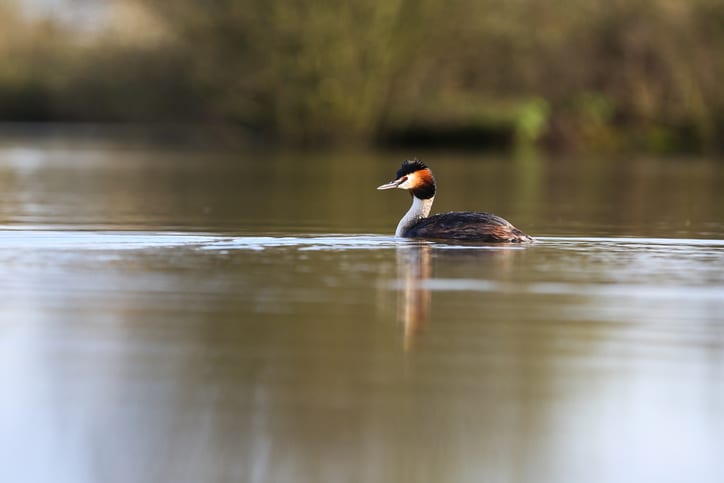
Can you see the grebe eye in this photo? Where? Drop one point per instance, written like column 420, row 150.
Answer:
column 403, row 179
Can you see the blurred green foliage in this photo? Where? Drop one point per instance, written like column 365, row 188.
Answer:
column 591, row 75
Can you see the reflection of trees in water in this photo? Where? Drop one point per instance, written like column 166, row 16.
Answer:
column 229, row 370
column 9, row 202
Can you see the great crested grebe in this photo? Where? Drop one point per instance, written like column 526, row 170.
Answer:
column 417, row 178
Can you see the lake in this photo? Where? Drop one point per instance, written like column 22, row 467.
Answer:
column 182, row 312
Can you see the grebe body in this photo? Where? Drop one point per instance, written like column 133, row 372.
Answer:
column 417, row 178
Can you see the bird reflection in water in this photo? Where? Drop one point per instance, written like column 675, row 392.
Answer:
column 476, row 265
column 413, row 306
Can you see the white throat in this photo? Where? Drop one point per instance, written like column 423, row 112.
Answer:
column 419, row 209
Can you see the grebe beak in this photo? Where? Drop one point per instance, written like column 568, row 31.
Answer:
column 392, row 184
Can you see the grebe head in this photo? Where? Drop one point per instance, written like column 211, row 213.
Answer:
column 415, row 177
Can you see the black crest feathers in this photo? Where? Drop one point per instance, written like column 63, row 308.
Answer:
column 409, row 166
column 424, row 185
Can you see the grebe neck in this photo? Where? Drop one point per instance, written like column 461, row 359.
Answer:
column 419, row 209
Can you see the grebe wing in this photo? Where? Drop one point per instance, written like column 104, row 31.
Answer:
column 467, row 225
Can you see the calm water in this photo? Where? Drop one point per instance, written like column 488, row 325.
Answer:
column 188, row 314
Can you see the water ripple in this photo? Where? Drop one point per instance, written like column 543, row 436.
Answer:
column 139, row 240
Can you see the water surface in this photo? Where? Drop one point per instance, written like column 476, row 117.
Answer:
column 207, row 315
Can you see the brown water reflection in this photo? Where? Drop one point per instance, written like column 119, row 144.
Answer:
column 415, row 271
column 413, row 306
column 261, row 359
column 226, row 339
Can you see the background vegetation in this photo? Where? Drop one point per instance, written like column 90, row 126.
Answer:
column 589, row 75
